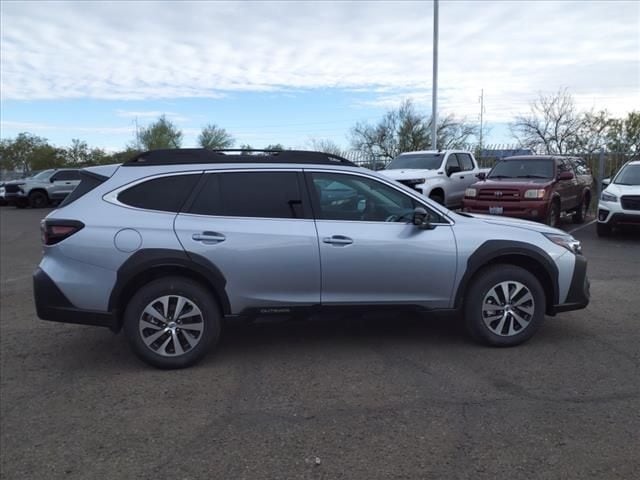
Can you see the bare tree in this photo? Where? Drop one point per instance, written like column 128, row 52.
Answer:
column 325, row 146
column 551, row 126
column 404, row 129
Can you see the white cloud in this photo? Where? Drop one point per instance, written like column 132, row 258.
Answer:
column 151, row 115
column 145, row 50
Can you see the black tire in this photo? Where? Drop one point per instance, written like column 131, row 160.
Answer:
column 603, row 229
column 38, row 199
column 438, row 198
column 474, row 310
column 581, row 212
column 553, row 215
column 211, row 321
column 21, row 203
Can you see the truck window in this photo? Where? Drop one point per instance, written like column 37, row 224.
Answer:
column 464, row 159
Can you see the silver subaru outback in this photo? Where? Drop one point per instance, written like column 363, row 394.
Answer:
column 171, row 243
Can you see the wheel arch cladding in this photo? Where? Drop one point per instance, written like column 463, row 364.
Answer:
column 525, row 255
column 148, row 264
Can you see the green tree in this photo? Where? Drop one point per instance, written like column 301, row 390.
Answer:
column 246, row 148
column 213, row 137
column 77, row 153
column 161, row 134
column 27, row 152
column 273, row 147
column 624, row 134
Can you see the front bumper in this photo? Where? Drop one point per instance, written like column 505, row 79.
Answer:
column 579, row 290
column 529, row 210
column 53, row 305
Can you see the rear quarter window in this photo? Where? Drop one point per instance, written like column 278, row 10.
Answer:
column 166, row 194
column 88, row 181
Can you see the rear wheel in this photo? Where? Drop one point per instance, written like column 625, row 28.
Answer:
column 553, row 216
column 581, row 212
column 505, row 306
column 172, row 322
column 38, row 199
column 603, row 229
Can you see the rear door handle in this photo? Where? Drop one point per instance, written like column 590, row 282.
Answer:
column 209, row 238
column 338, row 240
column 461, row 178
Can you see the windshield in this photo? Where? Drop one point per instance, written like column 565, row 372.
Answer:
column 529, row 168
column 422, row 161
column 42, row 175
column 629, row 175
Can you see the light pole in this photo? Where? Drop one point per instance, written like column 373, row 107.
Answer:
column 434, row 93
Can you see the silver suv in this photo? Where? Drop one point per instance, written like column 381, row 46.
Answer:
column 42, row 188
column 172, row 242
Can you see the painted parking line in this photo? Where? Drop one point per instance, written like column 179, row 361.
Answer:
column 582, row 226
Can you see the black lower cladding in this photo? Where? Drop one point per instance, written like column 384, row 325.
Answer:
column 53, row 305
column 625, row 219
column 578, row 296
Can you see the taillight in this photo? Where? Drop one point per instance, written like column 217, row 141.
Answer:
column 54, row 231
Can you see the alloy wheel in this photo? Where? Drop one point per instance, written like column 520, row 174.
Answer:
column 507, row 309
column 171, row 325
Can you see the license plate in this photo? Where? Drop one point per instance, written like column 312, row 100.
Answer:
column 495, row 210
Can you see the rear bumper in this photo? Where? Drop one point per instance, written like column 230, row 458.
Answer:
column 531, row 210
column 53, row 305
column 579, row 290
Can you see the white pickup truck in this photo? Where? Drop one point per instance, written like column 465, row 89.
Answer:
column 440, row 175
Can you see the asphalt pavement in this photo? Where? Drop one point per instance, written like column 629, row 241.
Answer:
column 384, row 397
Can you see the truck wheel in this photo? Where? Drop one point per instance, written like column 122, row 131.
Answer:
column 38, row 199
column 553, row 216
column 505, row 306
column 172, row 322
column 438, row 198
column 581, row 212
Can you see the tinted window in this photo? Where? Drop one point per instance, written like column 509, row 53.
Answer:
column 88, row 181
column 165, row 193
column 351, row 197
column 564, row 166
column 250, row 194
column 422, row 161
column 581, row 166
column 464, row 159
column 523, row 168
column 66, row 175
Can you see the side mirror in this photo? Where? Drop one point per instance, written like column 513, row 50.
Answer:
column 482, row 176
column 606, row 182
column 421, row 219
column 565, row 176
column 52, row 179
column 453, row 169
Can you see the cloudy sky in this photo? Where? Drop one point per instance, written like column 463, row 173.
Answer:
column 290, row 71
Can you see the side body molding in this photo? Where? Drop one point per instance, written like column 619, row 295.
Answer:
column 492, row 250
column 145, row 262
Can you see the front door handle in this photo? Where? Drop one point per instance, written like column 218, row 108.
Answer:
column 209, row 238
column 338, row 240
column 461, row 178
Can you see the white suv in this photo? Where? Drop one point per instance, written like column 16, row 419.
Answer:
column 620, row 201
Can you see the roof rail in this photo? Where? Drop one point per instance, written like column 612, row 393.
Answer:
column 177, row 156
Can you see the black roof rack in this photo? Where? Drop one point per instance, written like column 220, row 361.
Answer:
column 177, row 156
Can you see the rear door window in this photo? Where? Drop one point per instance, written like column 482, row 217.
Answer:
column 251, row 194
column 167, row 194
column 66, row 176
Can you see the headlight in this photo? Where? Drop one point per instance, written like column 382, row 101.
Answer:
column 534, row 193
column 566, row 241
column 608, row 197
column 414, row 181
column 470, row 192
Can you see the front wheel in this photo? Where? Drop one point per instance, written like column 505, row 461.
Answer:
column 553, row 217
column 505, row 306
column 438, row 198
column 38, row 199
column 172, row 322
column 581, row 212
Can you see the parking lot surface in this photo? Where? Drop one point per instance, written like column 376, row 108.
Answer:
column 383, row 397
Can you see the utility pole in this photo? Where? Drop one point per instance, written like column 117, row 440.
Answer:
column 481, row 115
column 434, row 93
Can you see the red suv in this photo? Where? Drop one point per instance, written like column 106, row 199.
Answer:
column 533, row 187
